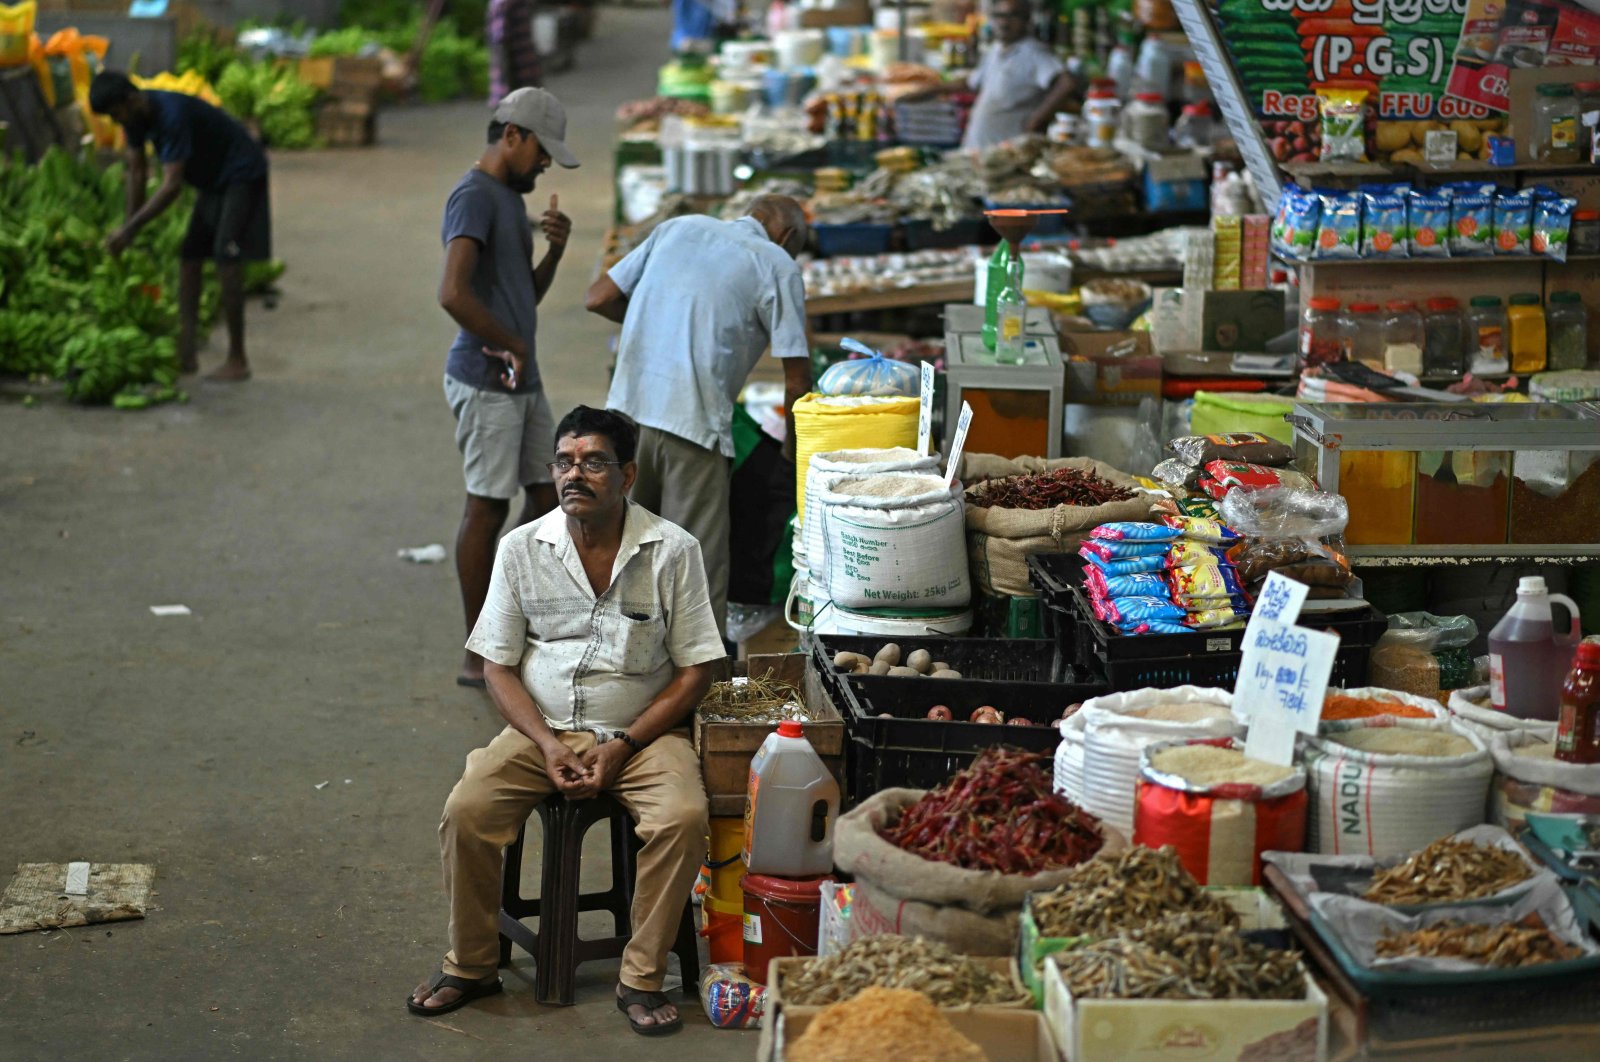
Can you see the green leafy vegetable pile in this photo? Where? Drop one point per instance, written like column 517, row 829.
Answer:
column 104, row 326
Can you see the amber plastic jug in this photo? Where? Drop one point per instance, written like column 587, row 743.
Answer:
column 1528, row 661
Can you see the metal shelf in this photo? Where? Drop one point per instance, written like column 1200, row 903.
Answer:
column 1482, row 260
column 1462, row 556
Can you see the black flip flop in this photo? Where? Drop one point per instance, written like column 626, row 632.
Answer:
column 632, row 997
column 472, row 683
column 470, row 990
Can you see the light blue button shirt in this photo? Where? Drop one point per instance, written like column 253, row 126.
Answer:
column 705, row 298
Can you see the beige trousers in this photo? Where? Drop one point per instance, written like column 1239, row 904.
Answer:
column 687, row 485
column 660, row 787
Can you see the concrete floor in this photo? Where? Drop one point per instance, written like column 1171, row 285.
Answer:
column 289, row 921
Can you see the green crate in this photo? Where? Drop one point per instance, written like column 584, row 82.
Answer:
column 1004, row 616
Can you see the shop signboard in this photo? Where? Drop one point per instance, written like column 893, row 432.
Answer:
column 1406, row 56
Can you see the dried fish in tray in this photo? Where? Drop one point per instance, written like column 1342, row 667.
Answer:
column 1527, row 942
column 1449, row 870
column 946, row 978
column 1111, row 893
column 1185, row 956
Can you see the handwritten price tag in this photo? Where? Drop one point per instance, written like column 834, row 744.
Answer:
column 925, row 416
column 1283, row 677
column 958, row 444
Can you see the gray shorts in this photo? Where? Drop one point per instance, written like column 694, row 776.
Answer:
column 506, row 440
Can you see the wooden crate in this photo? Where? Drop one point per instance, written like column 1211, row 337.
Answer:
column 344, row 76
column 726, row 748
column 342, row 123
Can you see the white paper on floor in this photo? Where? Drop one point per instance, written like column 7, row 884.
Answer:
column 36, row 897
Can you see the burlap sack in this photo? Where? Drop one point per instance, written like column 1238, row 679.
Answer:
column 858, row 849
column 875, row 913
column 1000, row 540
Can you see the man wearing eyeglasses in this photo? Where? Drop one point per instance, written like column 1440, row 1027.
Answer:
column 597, row 639
column 699, row 301
column 1020, row 82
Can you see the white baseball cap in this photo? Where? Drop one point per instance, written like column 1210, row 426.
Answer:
column 541, row 114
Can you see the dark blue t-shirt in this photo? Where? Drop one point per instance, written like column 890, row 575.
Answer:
column 489, row 212
column 215, row 149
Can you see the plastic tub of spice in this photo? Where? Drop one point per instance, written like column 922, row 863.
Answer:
column 1462, row 497
column 1485, row 342
column 1442, row 352
column 1361, row 334
column 1555, row 497
column 1525, row 318
column 1402, row 338
column 1585, row 235
column 1567, row 330
column 1319, row 333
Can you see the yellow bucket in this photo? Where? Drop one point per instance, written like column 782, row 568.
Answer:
column 727, row 841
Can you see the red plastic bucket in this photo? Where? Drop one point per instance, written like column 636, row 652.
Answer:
column 780, row 919
column 722, row 931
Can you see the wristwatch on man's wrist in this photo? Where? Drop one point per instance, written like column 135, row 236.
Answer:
column 629, row 740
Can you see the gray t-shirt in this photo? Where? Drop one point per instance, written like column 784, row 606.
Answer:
column 488, row 211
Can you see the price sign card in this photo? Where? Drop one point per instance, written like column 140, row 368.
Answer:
column 925, row 415
column 1283, row 678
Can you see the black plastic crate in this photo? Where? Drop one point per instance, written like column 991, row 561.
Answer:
column 912, row 750
column 1054, row 575
column 986, row 659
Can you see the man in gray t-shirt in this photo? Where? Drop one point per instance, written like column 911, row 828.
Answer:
column 492, row 289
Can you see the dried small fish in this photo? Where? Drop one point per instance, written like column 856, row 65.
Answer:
column 1112, row 893
column 1527, row 942
column 1448, row 870
column 1182, row 957
column 947, row 979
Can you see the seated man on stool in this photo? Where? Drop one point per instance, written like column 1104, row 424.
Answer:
column 597, row 639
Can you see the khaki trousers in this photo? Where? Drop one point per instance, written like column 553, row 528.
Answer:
column 688, row 486
column 660, row 787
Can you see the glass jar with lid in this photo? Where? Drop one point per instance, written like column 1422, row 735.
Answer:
column 1585, row 238
column 1442, row 344
column 1320, row 342
column 1361, row 334
column 1402, row 337
column 1100, row 111
column 1485, row 328
column 1588, row 96
column 1145, row 121
column 1555, row 124
column 1526, row 333
column 1194, row 128
column 1567, row 325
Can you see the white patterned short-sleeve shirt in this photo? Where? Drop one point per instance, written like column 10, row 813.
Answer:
column 592, row 661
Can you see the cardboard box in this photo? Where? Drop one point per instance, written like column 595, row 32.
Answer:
column 788, row 968
column 842, row 13
column 1218, row 1030
column 726, row 748
column 1006, row 1034
column 1255, row 908
column 1110, row 368
column 1244, row 321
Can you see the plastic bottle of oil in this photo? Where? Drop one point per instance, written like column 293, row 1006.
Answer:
column 1528, row 661
column 790, row 807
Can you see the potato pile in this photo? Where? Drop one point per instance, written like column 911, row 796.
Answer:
column 1402, row 142
column 886, row 661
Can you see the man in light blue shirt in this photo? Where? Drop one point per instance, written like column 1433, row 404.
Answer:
column 699, row 301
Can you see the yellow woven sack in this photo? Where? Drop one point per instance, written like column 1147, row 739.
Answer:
column 16, row 29
column 848, row 422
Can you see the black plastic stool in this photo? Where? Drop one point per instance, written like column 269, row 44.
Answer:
column 556, row 948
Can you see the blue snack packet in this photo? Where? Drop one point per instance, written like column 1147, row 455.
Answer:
column 1132, row 531
column 1383, row 223
column 1145, row 584
column 1513, row 223
column 1552, row 224
column 1339, row 233
column 1153, row 626
column 1472, row 219
column 1143, row 607
column 1125, row 565
column 1428, row 223
column 1294, row 229
column 1110, row 549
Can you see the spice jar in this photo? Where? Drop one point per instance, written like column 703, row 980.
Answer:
column 1585, row 236
column 1194, row 128
column 1100, row 110
column 1361, row 334
column 1402, row 338
column 1567, row 328
column 1555, row 122
column 1319, row 333
column 1485, row 340
column 1145, row 121
column 1527, row 333
column 1442, row 344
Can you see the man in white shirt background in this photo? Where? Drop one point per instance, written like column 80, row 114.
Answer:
column 1020, row 82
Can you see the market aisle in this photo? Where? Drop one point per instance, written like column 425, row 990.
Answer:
column 291, row 920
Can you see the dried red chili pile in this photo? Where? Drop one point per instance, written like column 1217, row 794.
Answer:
column 999, row 814
column 1046, row 490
